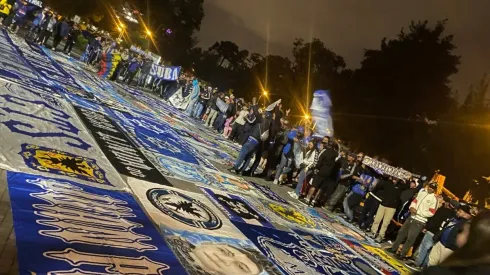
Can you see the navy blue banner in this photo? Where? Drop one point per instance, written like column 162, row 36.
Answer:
column 268, row 193
column 63, row 227
column 165, row 72
column 294, row 255
column 237, row 208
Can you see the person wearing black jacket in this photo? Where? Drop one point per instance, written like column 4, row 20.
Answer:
column 258, row 133
column 386, row 210
column 202, row 101
column 446, row 239
column 346, row 177
column 322, row 168
column 71, row 39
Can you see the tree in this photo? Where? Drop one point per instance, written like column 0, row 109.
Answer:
column 173, row 24
column 409, row 75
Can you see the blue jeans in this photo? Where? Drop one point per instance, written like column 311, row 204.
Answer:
column 190, row 107
column 198, row 110
column 283, row 167
column 347, row 211
column 422, row 257
column 247, row 148
column 301, row 180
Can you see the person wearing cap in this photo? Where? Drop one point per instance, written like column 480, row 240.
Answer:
column 444, row 214
column 422, row 208
column 446, row 239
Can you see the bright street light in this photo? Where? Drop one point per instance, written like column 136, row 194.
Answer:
column 265, row 93
column 148, row 32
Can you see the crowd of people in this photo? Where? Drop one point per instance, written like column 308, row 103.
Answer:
column 442, row 235
column 324, row 174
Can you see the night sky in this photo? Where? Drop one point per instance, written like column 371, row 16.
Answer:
column 349, row 26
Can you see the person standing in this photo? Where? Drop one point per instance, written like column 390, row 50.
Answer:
column 203, row 101
column 391, row 196
column 446, row 242
column 61, row 31
column 47, row 29
column 361, row 186
column 346, row 177
column 36, row 25
column 237, row 130
column 258, row 134
column 193, row 97
column 133, row 70
column 433, row 226
column 422, row 208
column 23, row 8
column 305, row 170
column 72, row 39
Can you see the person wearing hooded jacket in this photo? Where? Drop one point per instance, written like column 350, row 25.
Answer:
column 386, row 210
column 422, row 208
column 258, row 134
column 194, row 97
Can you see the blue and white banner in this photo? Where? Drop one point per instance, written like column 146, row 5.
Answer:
column 293, row 255
column 237, row 208
column 14, row 67
column 203, row 254
column 63, row 227
column 41, row 133
column 320, row 113
column 339, row 251
column 182, row 210
column 169, row 73
column 50, row 71
column 158, row 137
column 38, row 3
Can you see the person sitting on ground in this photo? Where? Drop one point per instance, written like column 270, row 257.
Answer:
column 422, row 208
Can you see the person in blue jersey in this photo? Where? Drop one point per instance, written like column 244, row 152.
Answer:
column 471, row 256
column 446, row 240
column 133, row 69
column 61, row 31
column 23, row 8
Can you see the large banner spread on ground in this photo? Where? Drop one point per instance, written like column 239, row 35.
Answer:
column 126, row 158
column 42, row 134
column 100, row 155
column 63, row 227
